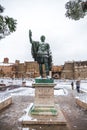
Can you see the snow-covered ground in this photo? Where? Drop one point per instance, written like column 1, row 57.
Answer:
column 60, row 83
column 67, row 84
column 61, row 88
column 9, row 81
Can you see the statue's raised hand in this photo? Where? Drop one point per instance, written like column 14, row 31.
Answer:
column 30, row 36
column 30, row 33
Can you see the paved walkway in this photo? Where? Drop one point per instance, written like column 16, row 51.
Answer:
column 75, row 116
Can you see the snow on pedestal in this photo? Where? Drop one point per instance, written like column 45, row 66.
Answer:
column 44, row 110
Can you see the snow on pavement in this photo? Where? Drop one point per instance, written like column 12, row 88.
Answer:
column 61, row 88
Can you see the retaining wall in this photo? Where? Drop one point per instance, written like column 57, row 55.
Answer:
column 81, row 103
column 5, row 103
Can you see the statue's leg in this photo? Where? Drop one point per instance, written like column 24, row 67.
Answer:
column 41, row 70
column 47, row 68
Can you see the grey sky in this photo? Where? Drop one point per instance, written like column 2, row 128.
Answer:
column 67, row 38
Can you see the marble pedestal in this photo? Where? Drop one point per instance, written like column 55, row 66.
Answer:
column 43, row 110
column 44, row 99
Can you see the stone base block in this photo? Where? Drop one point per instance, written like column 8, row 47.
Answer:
column 6, row 102
column 29, row 119
column 81, row 103
column 43, row 111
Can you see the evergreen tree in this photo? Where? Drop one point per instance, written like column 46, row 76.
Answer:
column 7, row 24
column 76, row 9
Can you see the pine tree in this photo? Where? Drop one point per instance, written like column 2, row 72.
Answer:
column 76, row 9
column 7, row 24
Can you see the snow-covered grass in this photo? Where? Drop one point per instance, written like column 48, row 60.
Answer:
column 15, row 81
column 23, row 91
column 60, row 83
column 83, row 98
column 61, row 87
column 4, row 96
column 67, row 84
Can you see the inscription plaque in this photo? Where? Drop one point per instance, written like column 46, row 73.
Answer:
column 44, row 96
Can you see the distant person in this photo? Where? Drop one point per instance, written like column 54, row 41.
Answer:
column 72, row 85
column 78, row 86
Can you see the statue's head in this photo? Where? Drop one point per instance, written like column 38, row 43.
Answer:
column 42, row 38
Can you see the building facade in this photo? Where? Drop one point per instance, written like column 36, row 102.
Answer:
column 74, row 70
column 68, row 70
column 30, row 69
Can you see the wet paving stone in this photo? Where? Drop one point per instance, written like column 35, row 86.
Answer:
column 75, row 116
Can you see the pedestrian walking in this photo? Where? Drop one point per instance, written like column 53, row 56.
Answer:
column 78, row 86
column 72, row 85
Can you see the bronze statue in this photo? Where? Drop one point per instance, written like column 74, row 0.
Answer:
column 41, row 53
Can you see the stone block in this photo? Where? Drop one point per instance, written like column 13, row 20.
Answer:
column 5, row 103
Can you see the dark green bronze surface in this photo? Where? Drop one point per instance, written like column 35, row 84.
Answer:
column 44, row 80
column 42, row 54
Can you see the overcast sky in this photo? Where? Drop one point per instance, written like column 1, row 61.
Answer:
column 67, row 38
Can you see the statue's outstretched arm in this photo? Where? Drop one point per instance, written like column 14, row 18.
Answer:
column 30, row 36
